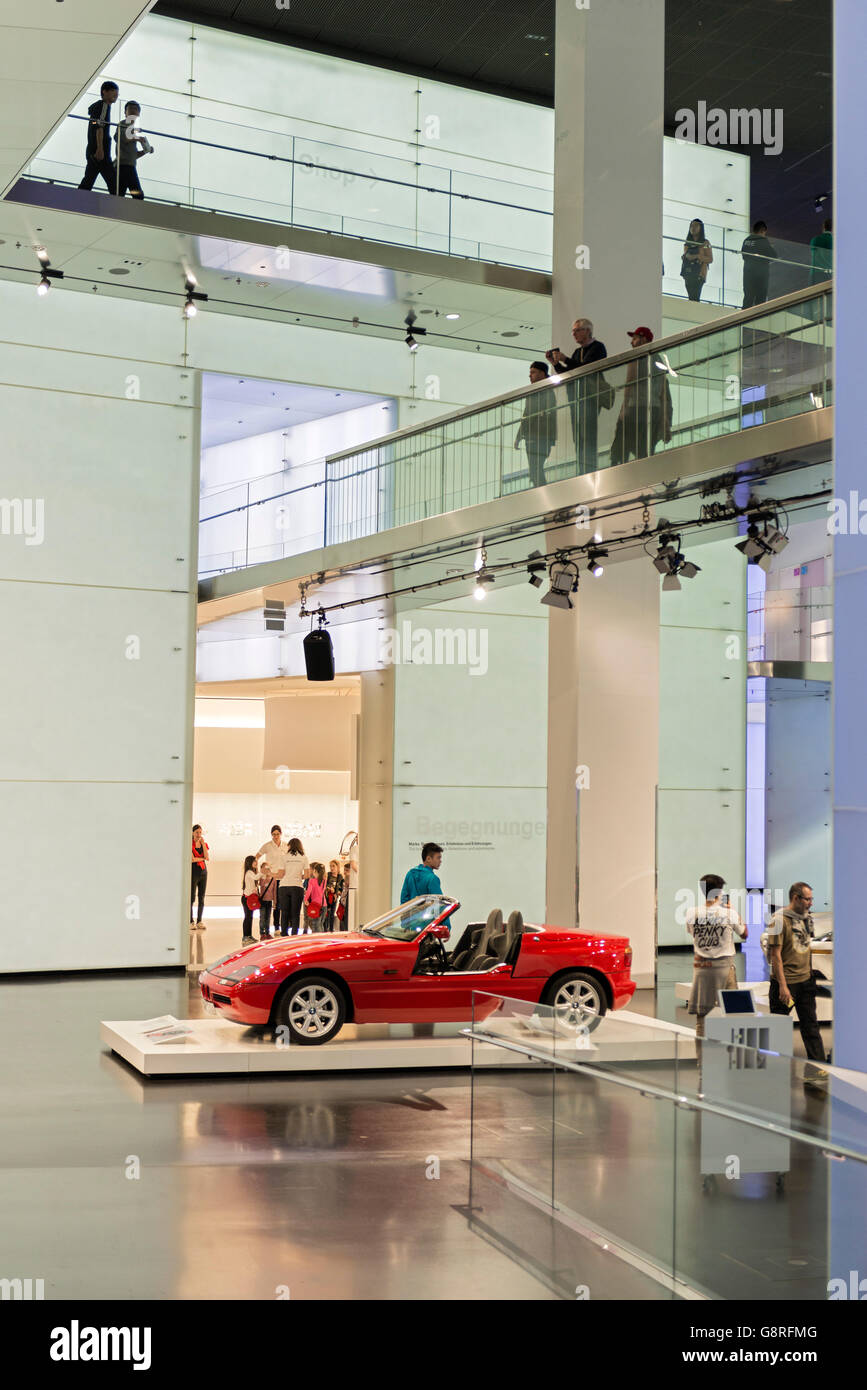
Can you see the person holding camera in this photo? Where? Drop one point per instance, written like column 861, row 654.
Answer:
column 713, row 929
column 587, row 394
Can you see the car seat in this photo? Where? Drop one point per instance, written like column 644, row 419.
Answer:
column 502, row 947
column 492, row 928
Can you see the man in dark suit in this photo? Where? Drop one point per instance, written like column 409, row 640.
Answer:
column 584, row 393
column 98, row 152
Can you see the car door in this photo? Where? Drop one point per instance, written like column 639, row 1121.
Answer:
column 449, row 998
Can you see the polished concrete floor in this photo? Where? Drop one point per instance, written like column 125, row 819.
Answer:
column 338, row 1187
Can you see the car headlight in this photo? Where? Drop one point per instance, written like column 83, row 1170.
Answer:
column 222, row 961
column 242, row 973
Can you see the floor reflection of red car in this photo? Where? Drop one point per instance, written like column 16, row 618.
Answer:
column 397, row 970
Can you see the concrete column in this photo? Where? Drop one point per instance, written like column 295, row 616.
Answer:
column 609, row 98
column 850, row 551
column 618, row 744
column 374, row 762
column 603, row 758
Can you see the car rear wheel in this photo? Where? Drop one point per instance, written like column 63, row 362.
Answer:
column 578, row 1000
column 313, row 1009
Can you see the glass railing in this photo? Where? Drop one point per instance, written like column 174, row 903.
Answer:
column 275, row 176
column 636, row 1161
column 764, row 366
column 768, row 364
column 793, row 624
column 738, row 275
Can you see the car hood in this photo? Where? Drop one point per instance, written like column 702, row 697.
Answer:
column 267, row 954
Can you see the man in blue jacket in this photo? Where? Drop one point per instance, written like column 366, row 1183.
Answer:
column 423, row 878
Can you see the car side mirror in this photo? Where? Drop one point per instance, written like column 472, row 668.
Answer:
column 439, row 931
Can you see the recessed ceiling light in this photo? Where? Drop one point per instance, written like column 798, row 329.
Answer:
column 510, row 333
column 452, row 316
column 119, row 270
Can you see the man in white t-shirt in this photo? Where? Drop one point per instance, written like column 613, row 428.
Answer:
column 272, row 864
column 713, row 929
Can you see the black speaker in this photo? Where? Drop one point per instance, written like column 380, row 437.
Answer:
column 319, row 656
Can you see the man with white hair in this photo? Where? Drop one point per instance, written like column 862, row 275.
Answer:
column 584, row 393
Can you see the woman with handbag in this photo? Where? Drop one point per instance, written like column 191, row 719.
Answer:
column 314, row 898
column 249, row 898
column 697, row 256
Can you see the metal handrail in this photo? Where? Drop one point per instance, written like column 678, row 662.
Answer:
column 736, row 319
column 335, row 169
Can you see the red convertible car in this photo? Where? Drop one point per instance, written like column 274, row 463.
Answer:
column 397, row 970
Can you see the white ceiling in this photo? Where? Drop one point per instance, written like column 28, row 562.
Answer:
column 237, row 407
column 49, row 53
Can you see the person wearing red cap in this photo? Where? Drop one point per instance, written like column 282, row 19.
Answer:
column 645, row 415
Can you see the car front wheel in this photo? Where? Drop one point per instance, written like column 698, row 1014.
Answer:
column 313, row 1010
column 578, row 1000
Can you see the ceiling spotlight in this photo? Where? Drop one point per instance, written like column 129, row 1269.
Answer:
column 760, row 547
column 452, row 316
column 751, row 546
column 666, row 556
column 46, row 273
column 593, row 558
column 536, row 567
column 484, row 577
column 564, row 581
column 413, row 333
column 670, row 562
column 190, row 309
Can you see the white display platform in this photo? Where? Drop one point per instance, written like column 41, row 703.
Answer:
column 216, row 1047
column 760, row 989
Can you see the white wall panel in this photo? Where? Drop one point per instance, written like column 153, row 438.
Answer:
column 470, row 754
column 97, row 630
column 93, row 874
column 701, row 825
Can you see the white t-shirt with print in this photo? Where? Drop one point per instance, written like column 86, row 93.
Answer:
column 713, row 930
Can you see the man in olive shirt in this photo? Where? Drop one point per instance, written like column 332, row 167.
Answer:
column 790, row 935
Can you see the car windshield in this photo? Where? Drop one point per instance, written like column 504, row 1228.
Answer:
column 405, row 922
